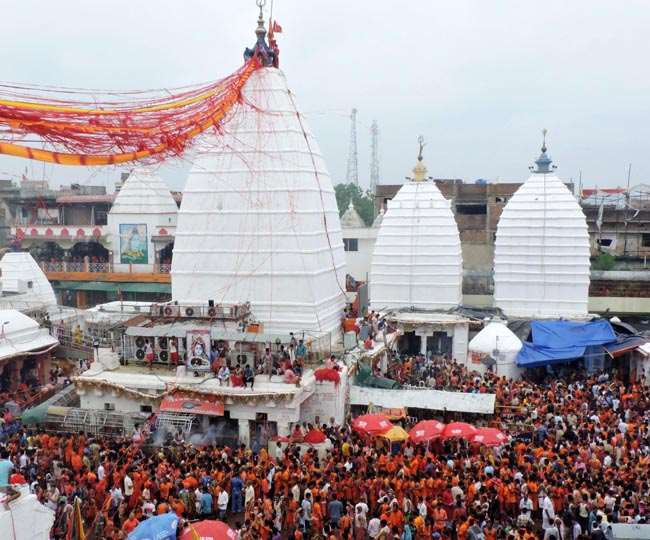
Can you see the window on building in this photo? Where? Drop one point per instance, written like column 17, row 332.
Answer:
column 109, row 406
column 502, row 200
column 605, row 242
column 645, row 240
column 471, row 209
column 101, row 217
column 351, row 244
column 146, row 408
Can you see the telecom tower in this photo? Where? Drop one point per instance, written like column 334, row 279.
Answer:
column 374, row 156
column 353, row 157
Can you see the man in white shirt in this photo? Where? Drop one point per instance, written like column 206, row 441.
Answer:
column 374, row 527
column 306, row 508
column 128, row 486
column 527, row 503
column 249, row 495
column 548, row 512
column 222, row 503
column 422, row 508
column 101, row 472
column 361, row 508
column 295, row 492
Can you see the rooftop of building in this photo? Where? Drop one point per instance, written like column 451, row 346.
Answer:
column 160, row 379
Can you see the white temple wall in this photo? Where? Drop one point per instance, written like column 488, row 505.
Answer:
column 152, row 222
column 327, row 401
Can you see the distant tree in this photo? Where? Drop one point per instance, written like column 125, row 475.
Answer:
column 604, row 261
column 364, row 202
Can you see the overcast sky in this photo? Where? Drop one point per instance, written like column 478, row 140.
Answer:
column 478, row 79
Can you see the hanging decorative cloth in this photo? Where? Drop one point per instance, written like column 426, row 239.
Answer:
column 92, row 132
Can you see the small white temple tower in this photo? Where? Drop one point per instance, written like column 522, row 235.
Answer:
column 541, row 258
column 417, row 258
column 144, row 210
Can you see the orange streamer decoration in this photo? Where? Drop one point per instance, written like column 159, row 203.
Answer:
column 109, row 133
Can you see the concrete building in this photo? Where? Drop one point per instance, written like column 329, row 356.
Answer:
column 271, row 405
column 424, row 332
column 25, row 351
column 67, row 232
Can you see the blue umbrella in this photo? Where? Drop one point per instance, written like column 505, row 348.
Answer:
column 161, row 527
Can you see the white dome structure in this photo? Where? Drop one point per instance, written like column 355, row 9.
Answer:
column 24, row 285
column 417, row 259
column 143, row 209
column 541, row 258
column 259, row 221
column 351, row 217
column 498, row 342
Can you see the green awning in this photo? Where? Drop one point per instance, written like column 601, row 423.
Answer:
column 157, row 288
column 105, row 286
column 108, row 286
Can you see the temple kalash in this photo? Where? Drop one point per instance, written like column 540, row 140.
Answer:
column 265, row 343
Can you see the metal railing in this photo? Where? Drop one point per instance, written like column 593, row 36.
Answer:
column 94, row 267
column 99, row 267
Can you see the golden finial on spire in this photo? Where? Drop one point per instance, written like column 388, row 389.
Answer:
column 420, row 171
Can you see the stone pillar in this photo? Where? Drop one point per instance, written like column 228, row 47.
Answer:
column 423, row 334
column 244, row 432
column 284, row 429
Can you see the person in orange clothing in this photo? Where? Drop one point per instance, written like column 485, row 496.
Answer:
column 76, row 462
column 130, row 524
column 395, row 517
column 165, row 488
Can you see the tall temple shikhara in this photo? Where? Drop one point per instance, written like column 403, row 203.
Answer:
column 417, row 259
column 259, row 221
column 541, row 257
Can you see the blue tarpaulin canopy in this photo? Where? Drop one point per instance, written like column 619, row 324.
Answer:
column 162, row 527
column 562, row 341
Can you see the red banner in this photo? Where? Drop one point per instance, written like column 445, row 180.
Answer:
column 180, row 404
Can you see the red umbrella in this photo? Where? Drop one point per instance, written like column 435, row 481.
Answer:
column 459, row 429
column 314, row 437
column 490, row 437
column 426, row 430
column 208, row 530
column 372, row 424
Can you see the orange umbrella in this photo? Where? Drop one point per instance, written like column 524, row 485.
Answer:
column 426, row 431
column 371, row 424
column 208, row 530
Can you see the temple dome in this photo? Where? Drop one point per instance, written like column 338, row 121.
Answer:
column 417, row 258
column 141, row 221
column 144, row 192
column 541, row 258
column 351, row 218
column 259, row 220
column 23, row 278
